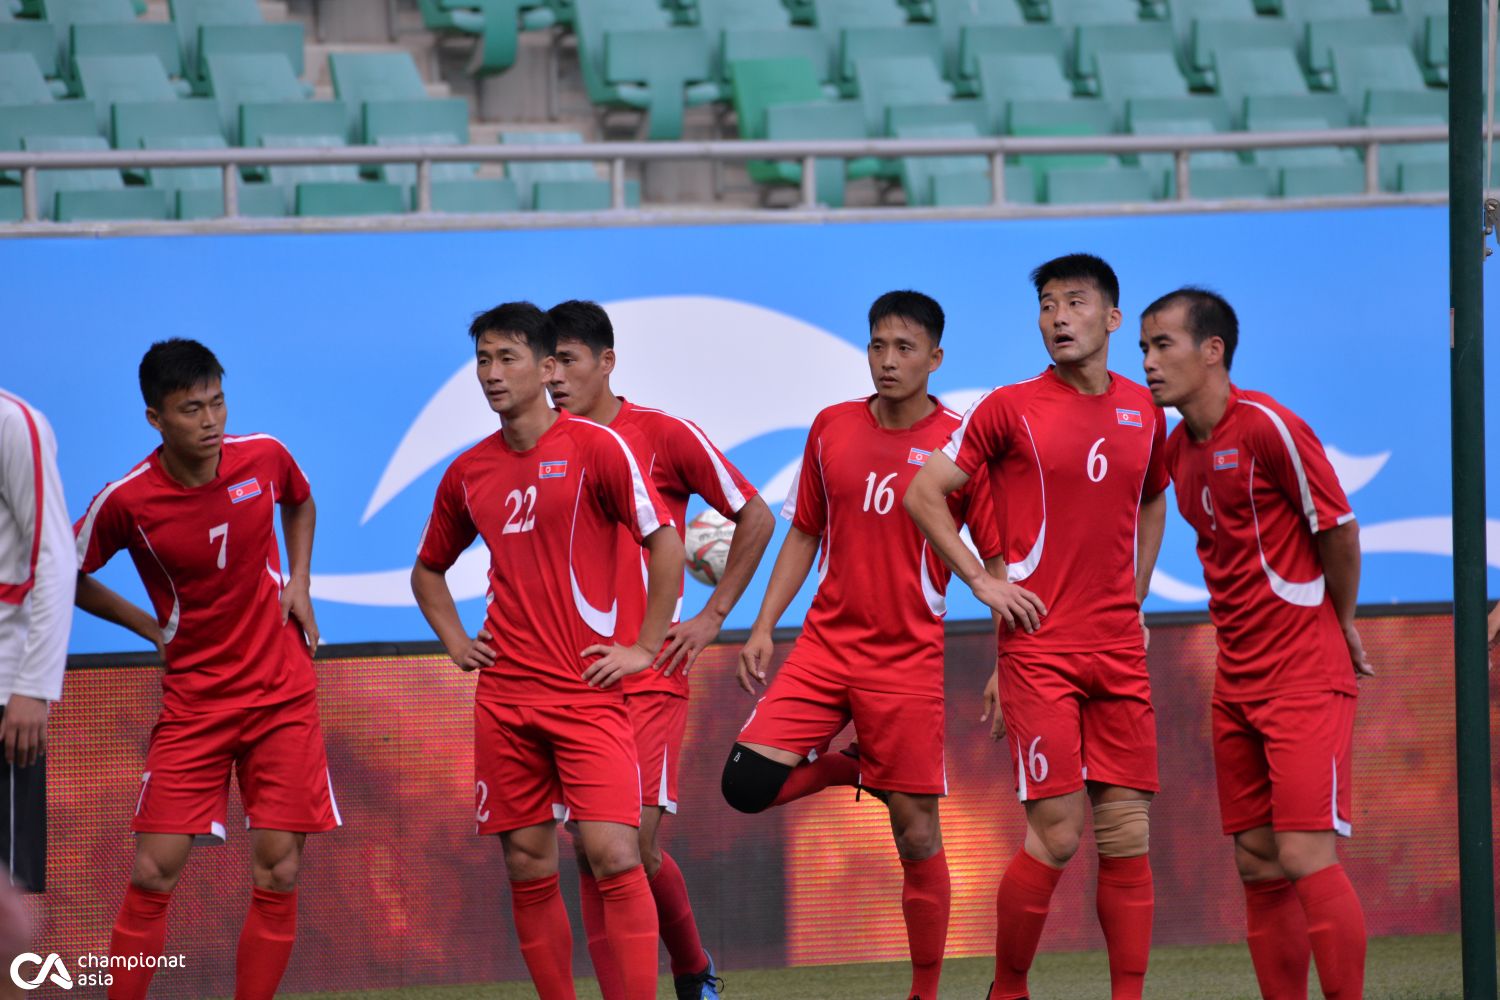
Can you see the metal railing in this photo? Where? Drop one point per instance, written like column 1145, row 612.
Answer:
column 618, row 155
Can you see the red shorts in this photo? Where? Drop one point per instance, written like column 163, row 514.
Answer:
column 900, row 736
column 277, row 751
column 537, row 763
column 659, row 720
column 1284, row 762
column 1076, row 717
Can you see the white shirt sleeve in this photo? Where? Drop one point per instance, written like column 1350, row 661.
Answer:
column 49, row 617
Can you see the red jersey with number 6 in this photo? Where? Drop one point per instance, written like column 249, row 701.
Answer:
column 877, row 618
column 210, row 563
column 1257, row 492
column 550, row 516
column 1068, row 473
column 680, row 461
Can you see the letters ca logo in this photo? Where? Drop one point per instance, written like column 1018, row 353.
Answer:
column 53, row 965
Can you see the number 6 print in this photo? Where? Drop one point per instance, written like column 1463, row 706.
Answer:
column 1036, row 763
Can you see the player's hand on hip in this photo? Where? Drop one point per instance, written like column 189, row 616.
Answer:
column 991, row 712
column 1362, row 666
column 615, row 661
column 755, row 656
column 1018, row 607
column 23, row 730
column 296, row 602
column 686, row 640
column 476, row 654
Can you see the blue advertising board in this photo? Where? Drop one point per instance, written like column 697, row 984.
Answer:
column 352, row 349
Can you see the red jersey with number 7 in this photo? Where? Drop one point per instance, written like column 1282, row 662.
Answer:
column 550, row 516
column 1257, row 492
column 209, row 560
column 1068, row 473
column 680, row 461
column 877, row 618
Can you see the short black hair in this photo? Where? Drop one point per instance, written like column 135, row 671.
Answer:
column 583, row 321
column 1079, row 265
column 1209, row 314
column 914, row 307
column 519, row 319
column 172, row 365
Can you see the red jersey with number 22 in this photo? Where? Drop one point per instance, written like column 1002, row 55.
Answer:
column 550, row 516
column 680, row 461
column 1068, row 473
column 210, row 563
column 877, row 618
column 1257, row 492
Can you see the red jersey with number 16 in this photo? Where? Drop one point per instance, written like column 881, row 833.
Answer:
column 208, row 557
column 1257, row 492
column 550, row 516
column 878, row 615
column 1068, row 473
column 680, row 461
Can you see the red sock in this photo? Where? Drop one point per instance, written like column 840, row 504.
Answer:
column 610, row 987
column 679, row 930
column 1336, row 929
column 925, row 898
column 546, row 936
column 1278, row 939
column 816, row 775
column 630, row 919
column 1126, row 900
column 265, row 943
column 140, row 929
column 1021, row 911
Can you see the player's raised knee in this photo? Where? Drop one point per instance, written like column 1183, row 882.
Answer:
column 1123, row 829
column 751, row 780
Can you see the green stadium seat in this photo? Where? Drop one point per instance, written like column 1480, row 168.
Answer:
column 234, row 80
column 448, row 116
column 132, row 124
column 1033, row 40
column 1418, row 160
column 405, row 174
column 1209, row 39
column 890, row 82
column 36, row 38
column 977, row 114
column 252, row 201
column 832, row 17
column 671, row 66
column 1433, row 50
column 1246, row 73
column 593, row 20
column 919, row 173
column 63, row 14
column 1007, row 78
column 1322, row 180
column 1060, row 118
column 1076, row 12
column 1309, row 171
column 375, row 76
column 1183, row 13
column 756, row 44
column 1183, row 126
column 876, row 43
column 496, row 22
column 1428, row 106
column 1268, row 113
column 1098, row 185
column 126, row 204
column 189, row 15
column 50, row 182
column 1092, row 40
column 1357, row 70
column 57, row 118
column 953, row 16
column 1147, row 115
column 141, row 38
column 1123, row 75
column 261, row 119
column 254, row 39
column 724, row 15
column 108, row 80
column 474, row 197
column 756, row 84
column 21, row 80
column 528, row 174
column 969, row 189
column 578, row 196
column 1231, row 180
column 1322, row 37
column 289, row 177
column 333, row 198
column 824, row 120
column 177, row 178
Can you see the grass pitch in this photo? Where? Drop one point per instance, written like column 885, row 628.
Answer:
column 1398, row 968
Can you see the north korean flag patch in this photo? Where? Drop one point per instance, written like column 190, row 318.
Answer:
column 1228, row 459
column 247, row 490
column 1128, row 418
column 917, row 456
column 552, row 470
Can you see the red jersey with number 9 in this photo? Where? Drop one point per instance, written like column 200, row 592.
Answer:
column 1068, row 473
column 210, row 563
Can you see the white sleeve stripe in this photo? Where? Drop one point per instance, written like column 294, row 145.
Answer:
column 726, row 481
column 789, row 506
column 237, row 438
column 87, row 531
column 956, row 441
column 645, row 511
column 1308, row 510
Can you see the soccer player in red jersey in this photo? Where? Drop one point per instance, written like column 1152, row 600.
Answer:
column 871, row 649
column 239, row 690
column 681, row 461
column 1280, row 553
column 549, row 493
column 1074, row 458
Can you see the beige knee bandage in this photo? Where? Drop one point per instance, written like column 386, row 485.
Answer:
column 1123, row 829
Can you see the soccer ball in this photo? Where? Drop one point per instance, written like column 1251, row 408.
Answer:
column 707, row 545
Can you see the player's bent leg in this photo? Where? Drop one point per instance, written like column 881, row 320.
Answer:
column 1335, row 919
column 1126, row 898
column 1053, row 828
column 926, row 892
column 591, row 907
column 541, row 920
column 754, row 775
column 270, row 929
column 629, row 910
column 141, row 927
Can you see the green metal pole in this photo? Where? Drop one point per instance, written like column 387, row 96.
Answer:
column 1466, row 90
